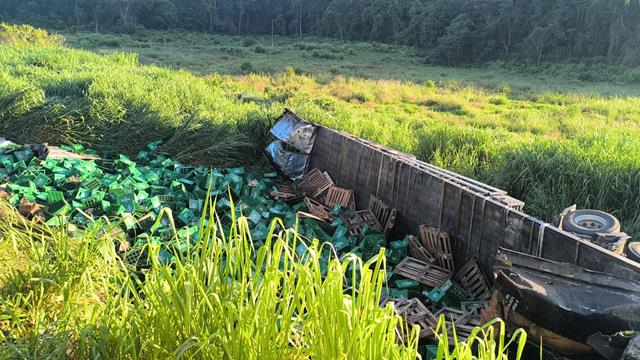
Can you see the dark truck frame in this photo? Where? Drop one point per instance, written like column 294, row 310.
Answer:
column 479, row 218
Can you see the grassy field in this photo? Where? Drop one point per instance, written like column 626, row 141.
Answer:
column 551, row 149
column 550, row 142
column 326, row 58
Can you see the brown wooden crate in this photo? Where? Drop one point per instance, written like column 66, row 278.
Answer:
column 415, row 313
column 343, row 197
column 317, row 209
column 427, row 274
column 386, row 215
column 315, row 183
column 464, row 321
column 471, row 278
column 438, row 243
column 360, row 219
column 287, row 193
column 418, row 251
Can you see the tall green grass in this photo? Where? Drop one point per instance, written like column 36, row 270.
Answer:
column 67, row 297
column 27, row 35
column 487, row 342
column 223, row 299
column 549, row 149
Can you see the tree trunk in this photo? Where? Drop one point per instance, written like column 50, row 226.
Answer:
column 539, row 50
column 95, row 17
column 211, row 14
column 300, row 20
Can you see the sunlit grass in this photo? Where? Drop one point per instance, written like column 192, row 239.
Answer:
column 221, row 299
column 549, row 149
column 487, row 342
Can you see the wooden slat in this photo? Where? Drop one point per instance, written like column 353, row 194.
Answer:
column 315, row 183
column 318, row 210
column 418, row 251
column 438, row 243
column 415, row 313
column 470, row 277
column 359, row 220
column 385, row 214
column 340, row 196
column 427, row 274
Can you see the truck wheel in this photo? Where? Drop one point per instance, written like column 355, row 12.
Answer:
column 633, row 251
column 590, row 222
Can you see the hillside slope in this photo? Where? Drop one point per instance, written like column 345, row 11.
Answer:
column 551, row 150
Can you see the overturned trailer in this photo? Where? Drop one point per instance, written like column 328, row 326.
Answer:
column 482, row 222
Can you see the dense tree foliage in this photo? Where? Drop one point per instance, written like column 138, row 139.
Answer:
column 449, row 31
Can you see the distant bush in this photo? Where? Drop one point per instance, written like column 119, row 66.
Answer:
column 233, row 50
column 249, row 42
column 326, row 55
column 504, row 88
column 308, row 47
column 498, row 100
column 632, row 76
column 430, row 84
column 109, row 42
column 247, row 67
column 259, row 50
column 27, row 35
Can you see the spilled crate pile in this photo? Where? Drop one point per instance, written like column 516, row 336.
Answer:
column 78, row 188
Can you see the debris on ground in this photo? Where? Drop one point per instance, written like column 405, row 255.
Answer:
column 75, row 188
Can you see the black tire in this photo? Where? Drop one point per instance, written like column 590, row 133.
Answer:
column 590, row 222
column 633, row 251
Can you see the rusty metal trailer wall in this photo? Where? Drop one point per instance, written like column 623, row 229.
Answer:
column 477, row 223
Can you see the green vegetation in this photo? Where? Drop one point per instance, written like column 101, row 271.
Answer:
column 73, row 297
column 445, row 31
column 205, row 54
column 482, row 344
column 27, row 35
column 549, row 149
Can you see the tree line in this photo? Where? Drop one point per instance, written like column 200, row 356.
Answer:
column 448, row 31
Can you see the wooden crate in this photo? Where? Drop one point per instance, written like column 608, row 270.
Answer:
column 438, row 244
column 318, row 210
column 418, row 251
column 464, row 321
column 385, row 214
column 340, row 196
column 415, row 313
column 315, row 183
column 288, row 194
column 470, row 277
column 359, row 220
column 426, row 274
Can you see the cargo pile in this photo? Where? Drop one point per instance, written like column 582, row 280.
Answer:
column 78, row 188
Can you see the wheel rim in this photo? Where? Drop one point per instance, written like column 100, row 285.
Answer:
column 591, row 222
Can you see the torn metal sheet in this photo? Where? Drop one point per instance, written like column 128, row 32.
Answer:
column 295, row 132
column 291, row 164
column 611, row 347
column 565, row 299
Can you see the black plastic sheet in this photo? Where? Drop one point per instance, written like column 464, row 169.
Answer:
column 291, row 164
